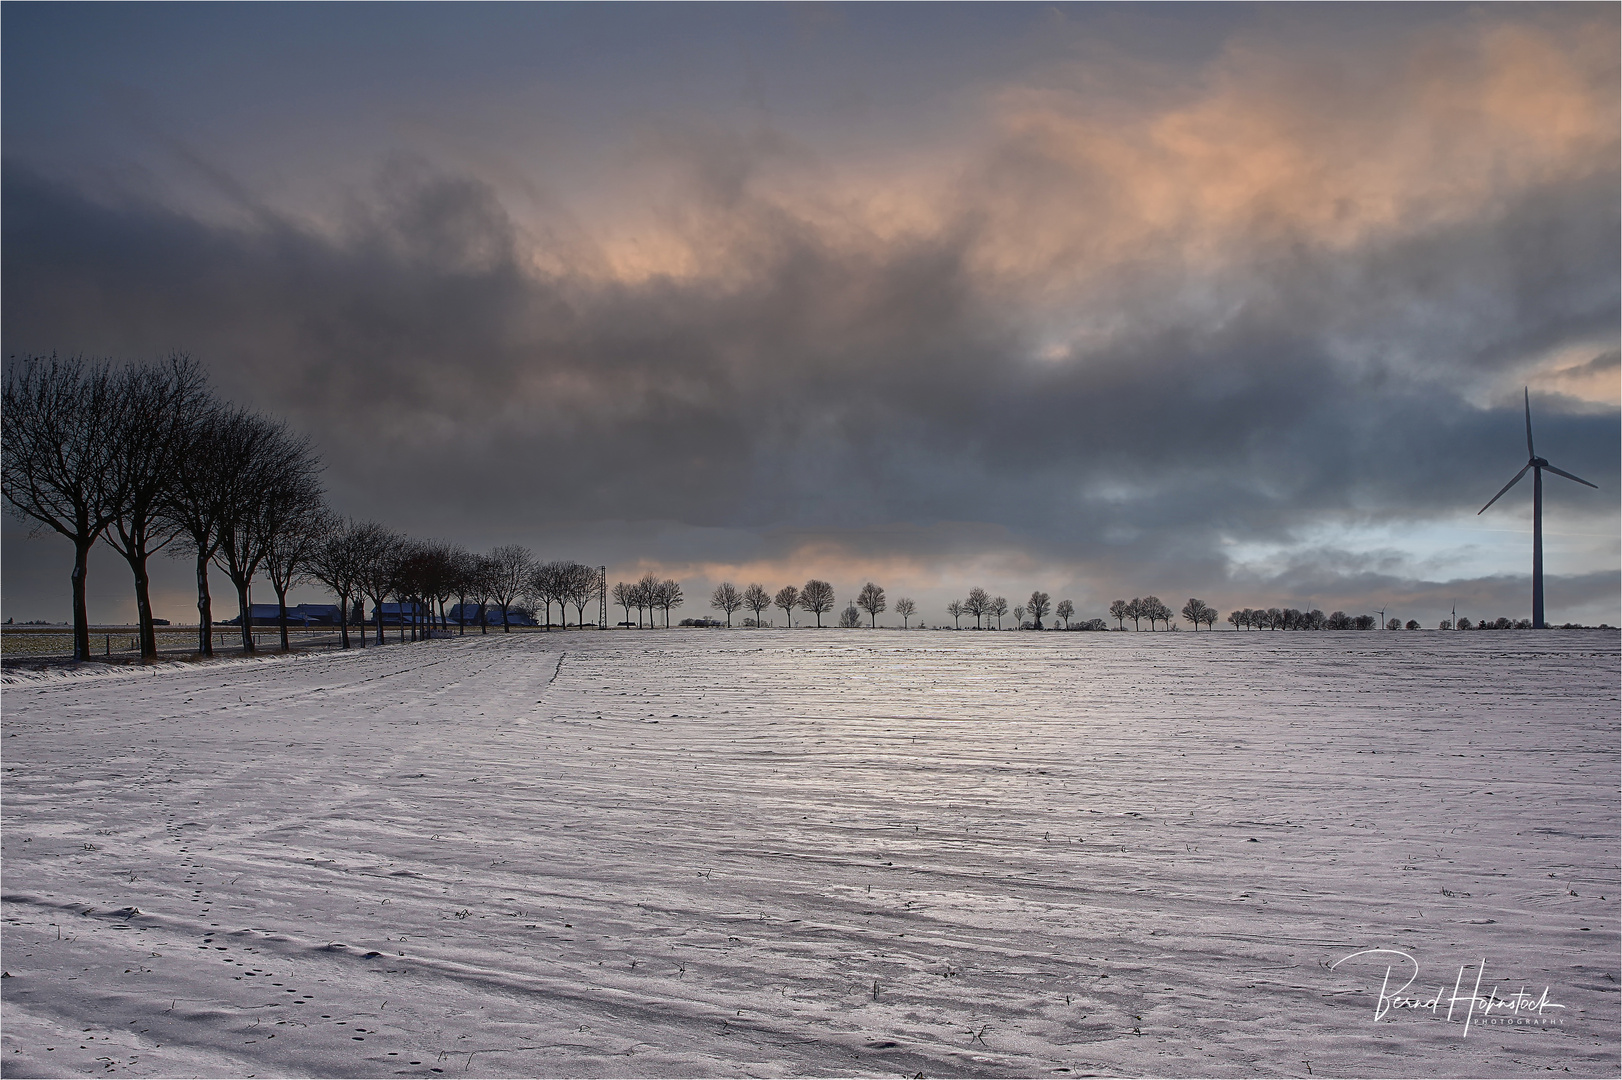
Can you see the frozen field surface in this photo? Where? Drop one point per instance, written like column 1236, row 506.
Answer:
column 765, row 853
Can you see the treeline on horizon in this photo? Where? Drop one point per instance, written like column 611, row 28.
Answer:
column 146, row 458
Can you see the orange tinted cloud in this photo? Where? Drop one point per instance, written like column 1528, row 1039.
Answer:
column 1316, row 147
column 1062, row 188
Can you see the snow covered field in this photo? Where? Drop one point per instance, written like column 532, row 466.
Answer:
column 831, row 853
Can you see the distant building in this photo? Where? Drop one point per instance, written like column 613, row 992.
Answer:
column 515, row 616
column 395, row 614
column 315, row 614
column 468, row 615
column 303, row 615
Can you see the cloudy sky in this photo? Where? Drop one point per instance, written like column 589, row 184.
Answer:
column 1221, row 301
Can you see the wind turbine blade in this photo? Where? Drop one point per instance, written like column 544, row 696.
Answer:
column 1529, row 451
column 1568, row 476
column 1505, row 488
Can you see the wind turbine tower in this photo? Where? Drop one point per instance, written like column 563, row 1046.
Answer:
column 1537, row 465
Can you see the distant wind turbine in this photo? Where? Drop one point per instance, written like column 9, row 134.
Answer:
column 1537, row 465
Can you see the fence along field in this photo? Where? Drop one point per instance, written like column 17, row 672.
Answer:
column 123, row 641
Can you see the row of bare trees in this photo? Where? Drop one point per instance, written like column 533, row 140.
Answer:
column 647, row 596
column 1295, row 619
column 1029, row 615
column 145, row 458
column 359, row 561
column 815, row 597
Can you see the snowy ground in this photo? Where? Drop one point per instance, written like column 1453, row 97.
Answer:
column 830, row 853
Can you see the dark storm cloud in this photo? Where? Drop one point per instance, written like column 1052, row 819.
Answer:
column 831, row 388
column 1046, row 373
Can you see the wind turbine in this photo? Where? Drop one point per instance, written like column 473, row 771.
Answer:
column 1537, row 465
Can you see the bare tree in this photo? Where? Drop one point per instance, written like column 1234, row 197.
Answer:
column 57, row 419
column 1037, row 606
column 1134, row 610
column 584, row 586
column 956, row 610
column 1152, row 609
column 787, row 598
column 1064, row 611
column 905, row 608
column 625, row 597
column 871, row 600
column 511, row 567
column 481, row 583
column 1195, row 610
column 464, row 570
column 206, row 492
column 817, row 597
column 1119, row 610
column 333, row 564
column 1019, row 616
column 998, row 609
column 727, row 598
column 157, row 408
column 376, row 550
column 405, row 584
column 442, row 576
column 290, row 555
column 757, row 599
column 850, row 618
column 280, row 484
column 669, row 596
column 547, row 583
column 978, row 604
column 647, row 592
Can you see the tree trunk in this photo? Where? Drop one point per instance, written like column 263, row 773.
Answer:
column 245, row 613
column 343, row 621
column 143, row 609
column 281, row 614
column 81, row 614
column 205, row 608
